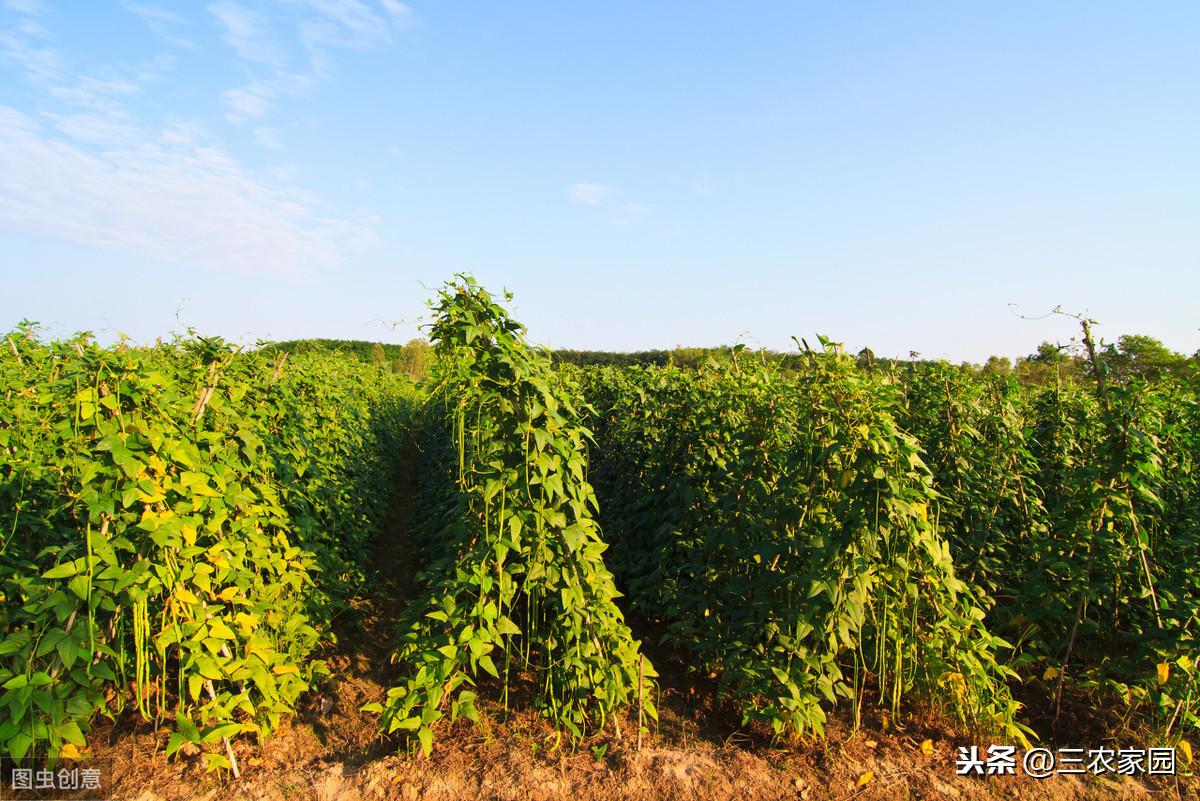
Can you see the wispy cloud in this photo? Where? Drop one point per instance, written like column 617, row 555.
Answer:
column 248, row 102
column 165, row 24
column 96, row 93
column 176, row 196
column 345, row 23
column 257, row 98
column 86, row 165
column 287, row 54
column 28, row 7
column 27, row 43
column 586, row 193
column 400, row 13
column 267, row 137
column 97, row 128
column 248, row 33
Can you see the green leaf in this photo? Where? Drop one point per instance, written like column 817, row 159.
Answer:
column 17, row 682
column 487, row 664
column 18, row 745
column 64, row 570
column 426, row 737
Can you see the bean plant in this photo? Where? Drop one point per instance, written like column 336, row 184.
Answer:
column 171, row 538
column 782, row 532
column 516, row 587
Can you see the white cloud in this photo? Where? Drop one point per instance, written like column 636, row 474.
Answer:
column 248, row 102
column 257, row 99
column 96, row 93
column 84, row 167
column 586, row 193
column 247, row 32
column 29, row 7
column 41, row 62
column 320, row 27
column 267, row 137
column 162, row 22
column 176, row 197
column 351, row 22
column 28, row 45
column 400, row 13
column 340, row 24
column 100, row 128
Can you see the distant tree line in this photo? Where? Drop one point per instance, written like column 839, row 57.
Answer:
column 1131, row 356
column 411, row 358
column 607, row 358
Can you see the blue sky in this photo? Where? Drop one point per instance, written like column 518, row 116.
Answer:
column 638, row 174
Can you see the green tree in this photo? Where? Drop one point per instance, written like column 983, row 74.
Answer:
column 997, row 365
column 1141, row 356
column 413, row 360
column 1049, row 353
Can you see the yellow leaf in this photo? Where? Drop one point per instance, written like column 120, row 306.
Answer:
column 1185, row 748
column 1164, row 672
column 186, row 595
column 927, row 747
column 246, row 623
column 865, row 778
column 1051, row 673
column 189, row 533
column 255, row 649
column 219, row 630
column 153, row 496
column 1184, row 662
column 283, row 670
column 872, row 743
column 69, row 751
column 227, row 593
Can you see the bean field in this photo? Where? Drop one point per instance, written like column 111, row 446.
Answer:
column 809, row 549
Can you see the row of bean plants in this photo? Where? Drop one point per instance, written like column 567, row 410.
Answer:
column 516, row 592
column 176, row 525
column 1077, row 511
column 781, row 531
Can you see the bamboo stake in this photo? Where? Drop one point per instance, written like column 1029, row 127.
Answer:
column 202, row 403
column 641, row 661
column 205, row 395
column 233, row 766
